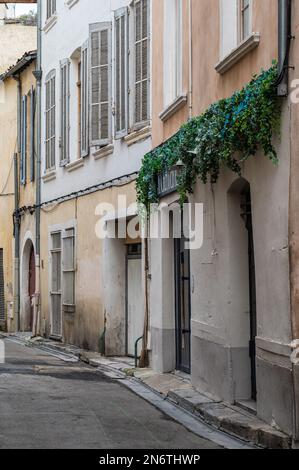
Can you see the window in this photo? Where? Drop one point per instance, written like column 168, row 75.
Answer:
column 141, row 79
column 84, row 102
column 51, row 8
column 100, row 89
column 121, row 72
column 244, row 21
column 32, row 133
column 68, row 270
column 50, row 111
column 65, row 112
column 56, row 257
column 235, row 24
column 24, row 130
column 172, row 51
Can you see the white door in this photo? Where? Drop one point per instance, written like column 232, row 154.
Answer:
column 135, row 310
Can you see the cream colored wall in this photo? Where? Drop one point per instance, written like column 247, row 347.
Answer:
column 15, row 40
column 8, row 146
column 87, row 324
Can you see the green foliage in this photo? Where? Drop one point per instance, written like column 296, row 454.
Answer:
column 227, row 134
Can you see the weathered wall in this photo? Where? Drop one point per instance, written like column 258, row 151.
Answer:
column 220, row 301
column 93, row 291
column 15, row 40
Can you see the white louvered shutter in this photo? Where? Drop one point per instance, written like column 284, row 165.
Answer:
column 121, row 72
column 100, row 84
column 50, row 114
column 84, row 138
column 142, row 76
column 68, row 270
column 65, row 112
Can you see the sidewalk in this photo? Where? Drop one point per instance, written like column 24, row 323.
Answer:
column 177, row 389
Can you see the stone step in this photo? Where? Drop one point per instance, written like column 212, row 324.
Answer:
column 231, row 420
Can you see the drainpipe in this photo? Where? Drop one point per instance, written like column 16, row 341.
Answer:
column 284, row 43
column 190, row 62
column 38, row 76
column 17, row 219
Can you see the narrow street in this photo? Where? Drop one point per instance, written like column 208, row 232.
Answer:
column 49, row 404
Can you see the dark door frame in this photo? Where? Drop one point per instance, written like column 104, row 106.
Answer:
column 247, row 216
column 130, row 255
column 180, row 255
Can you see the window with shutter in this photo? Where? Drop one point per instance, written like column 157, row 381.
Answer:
column 173, row 64
column 65, row 112
column 68, row 270
column 121, row 72
column 50, row 119
column 100, row 83
column 51, row 8
column 84, row 125
column 23, row 161
column 32, row 134
column 141, row 94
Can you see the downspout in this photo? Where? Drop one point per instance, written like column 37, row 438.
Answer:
column 38, row 76
column 17, row 219
column 190, row 61
column 284, row 43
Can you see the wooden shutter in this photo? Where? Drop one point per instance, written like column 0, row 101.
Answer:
column 65, row 112
column 100, row 84
column 121, row 72
column 84, row 101
column 50, row 114
column 2, row 299
column 23, row 162
column 32, row 134
column 68, row 270
column 141, row 61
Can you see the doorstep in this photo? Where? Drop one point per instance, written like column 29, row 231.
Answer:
column 236, row 421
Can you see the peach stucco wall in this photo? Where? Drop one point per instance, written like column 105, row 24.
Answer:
column 208, row 85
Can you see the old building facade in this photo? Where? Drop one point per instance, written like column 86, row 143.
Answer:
column 233, row 330
column 95, row 128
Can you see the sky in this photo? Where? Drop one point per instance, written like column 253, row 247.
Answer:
column 24, row 8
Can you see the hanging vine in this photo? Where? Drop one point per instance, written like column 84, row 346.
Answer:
column 227, row 134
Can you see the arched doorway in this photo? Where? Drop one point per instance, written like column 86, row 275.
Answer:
column 243, row 287
column 28, row 285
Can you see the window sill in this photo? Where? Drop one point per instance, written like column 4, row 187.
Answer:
column 103, row 152
column 50, row 23
column 74, row 165
column 49, row 176
column 238, row 53
column 138, row 136
column 71, row 3
column 175, row 106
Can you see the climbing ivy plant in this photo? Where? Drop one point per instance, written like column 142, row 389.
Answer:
column 226, row 134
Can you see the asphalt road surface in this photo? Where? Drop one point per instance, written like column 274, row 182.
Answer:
column 46, row 403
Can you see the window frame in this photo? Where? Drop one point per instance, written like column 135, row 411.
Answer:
column 178, row 55
column 51, row 9
column 120, row 13
column 50, row 114
column 137, row 125
column 99, row 28
column 65, row 96
column 241, row 10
